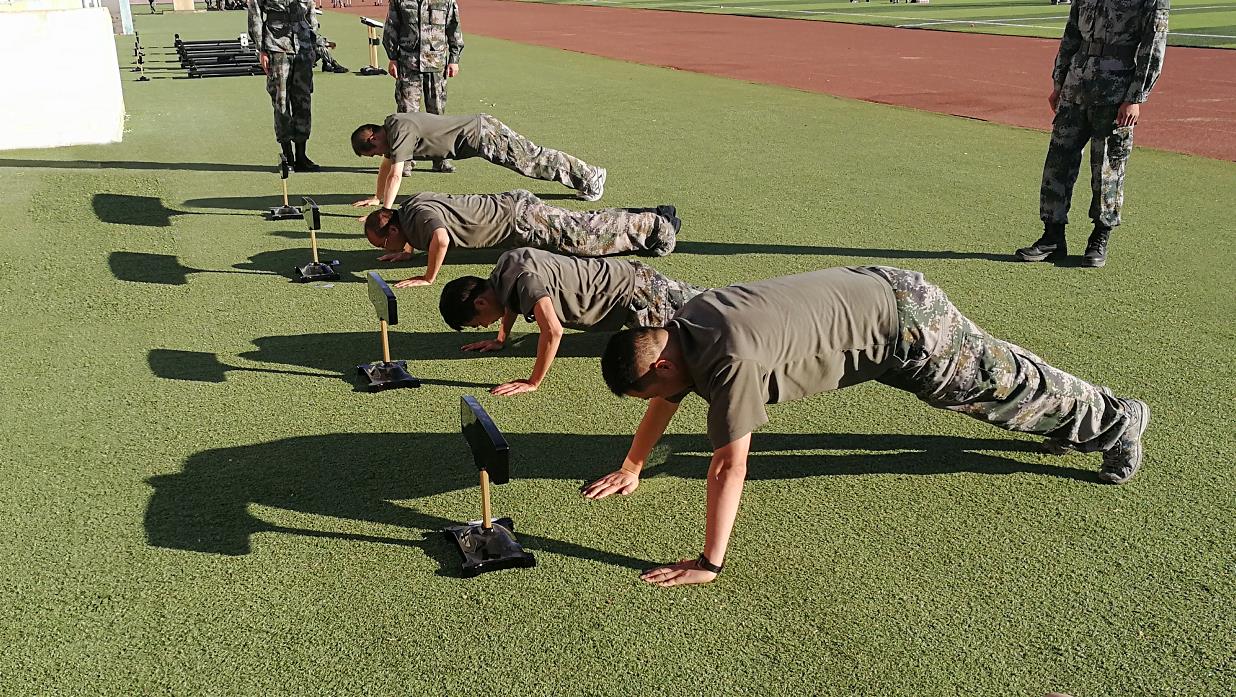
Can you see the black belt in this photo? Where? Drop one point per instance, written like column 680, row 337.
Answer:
column 1098, row 49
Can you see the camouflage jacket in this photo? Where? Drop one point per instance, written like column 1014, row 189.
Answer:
column 283, row 26
column 423, row 35
column 1112, row 51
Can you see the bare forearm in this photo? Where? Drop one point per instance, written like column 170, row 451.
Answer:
column 508, row 322
column 546, row 351
column 384, row 171
column 436, row 254
column 387, row 195
column 725, row 481
column 656, row 419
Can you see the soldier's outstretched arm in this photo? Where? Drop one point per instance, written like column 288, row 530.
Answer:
column 656, row 419
column 438, row 244
column 384, row 172
column 394, row 176
column 726, row 474
column 1148, row 62
column 546, row 350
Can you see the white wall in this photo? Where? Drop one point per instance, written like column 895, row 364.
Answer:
column 62, row 85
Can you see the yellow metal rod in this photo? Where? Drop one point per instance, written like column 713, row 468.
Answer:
column 386, row 344
column 285, row 192
column 485, row 523
column 313, row 242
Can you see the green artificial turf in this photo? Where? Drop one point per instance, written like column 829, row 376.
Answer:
column 196, row 499
column 1204, row 23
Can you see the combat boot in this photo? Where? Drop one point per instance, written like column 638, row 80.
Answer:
column 286, row 148
column 303, row 163
column 1122, row 460
column 1096, row 247
column 443, row 166
column 1050, row 247
column 337, row 68
column 594, row 188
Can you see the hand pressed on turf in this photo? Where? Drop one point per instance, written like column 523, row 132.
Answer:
column 414, row 281
column 371, row 201
column 684, row 573
column 620, row 482
column 485, row 346
column 514, row 387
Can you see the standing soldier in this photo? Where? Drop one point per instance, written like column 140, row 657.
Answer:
column 1110, row 56
column 284, row 34
column 423, row 41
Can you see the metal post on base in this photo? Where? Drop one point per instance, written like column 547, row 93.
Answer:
column 486, row 520
column 386, row 342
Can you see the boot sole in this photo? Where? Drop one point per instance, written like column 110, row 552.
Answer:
column 1051, row 256
column 1137, row 459
column 1093, row 264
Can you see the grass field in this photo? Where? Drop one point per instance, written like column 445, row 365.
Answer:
column 1205, row 23
column 197, row 500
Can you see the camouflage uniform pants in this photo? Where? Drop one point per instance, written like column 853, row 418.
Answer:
column 1110, row 145
column 590, row 233
column 949, row 362
column 324, row 54
column 503, row 146
column 290, row 84
column 412, row 86
column 657, row 297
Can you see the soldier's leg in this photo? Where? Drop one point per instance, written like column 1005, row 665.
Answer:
column 300, row 94
column 1069, row 132
column 595, row 233
column 657, row 297
column 950, row 362
column 278, row 85
column 407, row 99
column 434, row 87
column 499, row 144
column 1110, row 147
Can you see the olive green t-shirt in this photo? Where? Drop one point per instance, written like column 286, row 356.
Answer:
column 593, row 293
column 427, row 136
column 783, row 339
column 472, row 221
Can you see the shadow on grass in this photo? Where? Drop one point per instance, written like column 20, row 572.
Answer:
column 164, row 269
column 187, row 166
column 125, row 209
column 730, row 248
column 343, row 350
column 354, row 263
column 360, row 477
column 199, row 366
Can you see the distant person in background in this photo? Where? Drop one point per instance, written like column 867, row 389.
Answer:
column 423, row 41
column 284, row 33
column 329, row 64
column 1110, row 56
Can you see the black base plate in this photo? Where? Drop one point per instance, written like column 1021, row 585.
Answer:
column 489, row 550
column 387, row 376
column 316, row 271
column 284, row 213
column 370, row 70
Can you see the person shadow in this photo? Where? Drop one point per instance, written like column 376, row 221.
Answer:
column 208, row 507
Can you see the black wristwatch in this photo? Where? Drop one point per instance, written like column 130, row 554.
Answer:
column 703, row 563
